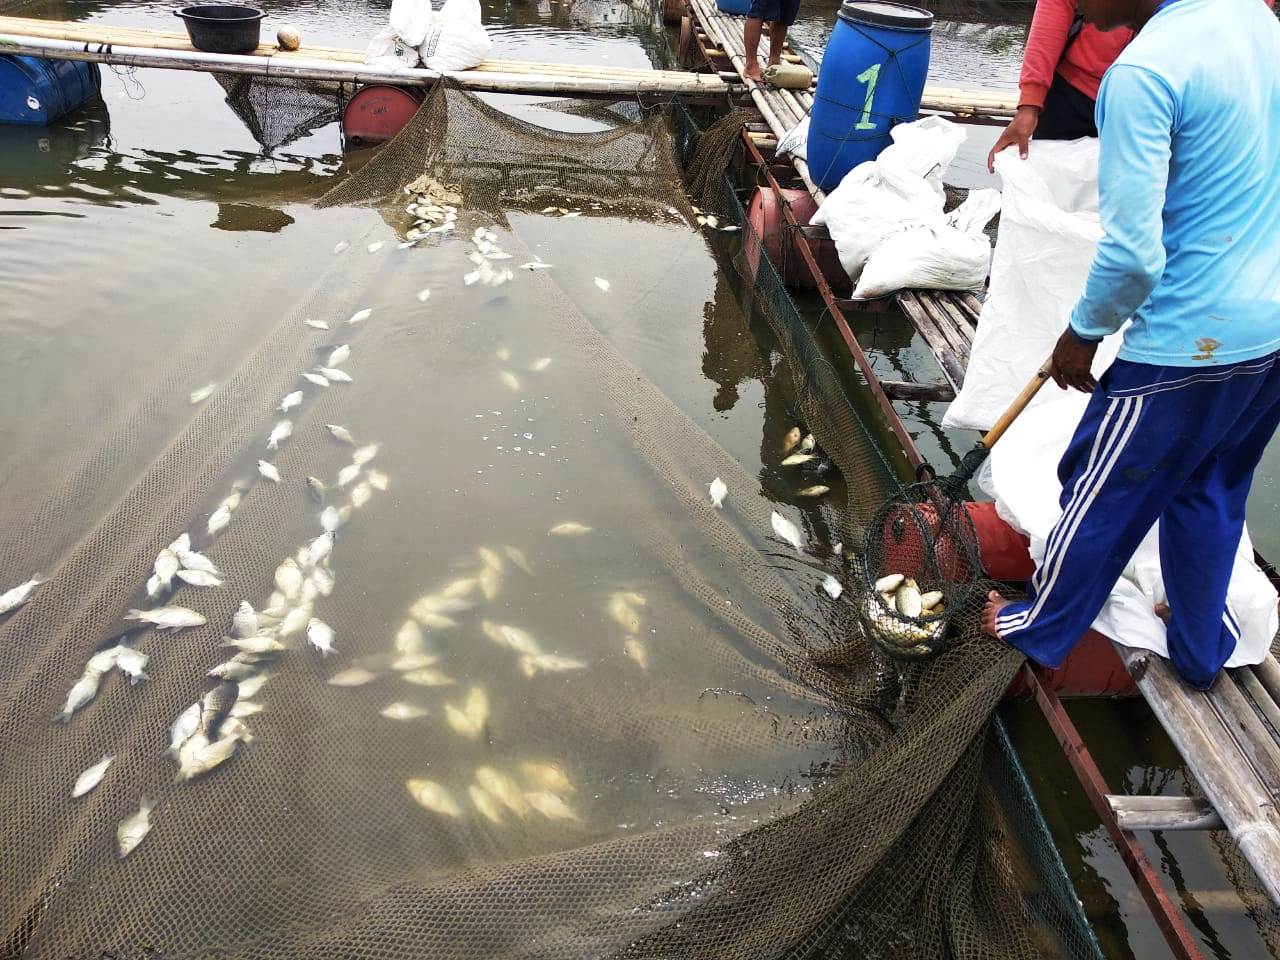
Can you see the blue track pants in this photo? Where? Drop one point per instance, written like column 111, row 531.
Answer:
column 1177, row 445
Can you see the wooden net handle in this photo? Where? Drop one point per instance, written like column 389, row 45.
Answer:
column 1019, row 404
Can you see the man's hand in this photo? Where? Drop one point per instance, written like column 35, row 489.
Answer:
column 1019, row 131
column 1072, row 360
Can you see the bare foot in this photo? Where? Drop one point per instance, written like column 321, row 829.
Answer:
column 995, row 603
column 752, row 71
column 1163, row 612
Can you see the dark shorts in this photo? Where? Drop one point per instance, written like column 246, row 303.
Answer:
column 775, row 11
column 1067, row 113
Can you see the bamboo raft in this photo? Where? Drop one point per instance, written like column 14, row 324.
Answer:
column 1229, row 736
column 139, row 47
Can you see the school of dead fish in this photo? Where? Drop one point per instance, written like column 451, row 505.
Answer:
column 212, row 729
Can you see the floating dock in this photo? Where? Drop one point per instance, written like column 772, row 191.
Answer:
column 1229, row 736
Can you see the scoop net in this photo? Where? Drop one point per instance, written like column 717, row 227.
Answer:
column 630, row 726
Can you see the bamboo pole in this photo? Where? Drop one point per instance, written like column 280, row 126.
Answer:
column 292, row 68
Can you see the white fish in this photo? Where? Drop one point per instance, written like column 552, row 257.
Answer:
column 195, row 560
column 181, row 543
column 244, row 708
column 340, row 246
column 509, row 379
column 931, row 599
column 433, row 797
column 198, row 755
column 808, row 443
column 289, row 578
column 203, row 393
column 249, row 688
column 329, row 519
column 341, row 434
column 623, row 613
column 338, row 356
column 199, row 578
column 235, row 669
column 315, row 378
column 334, row 375
column 536, row 265
column 436, row 621
column 428, row 677
column 378, row 480
column 502, row 788
column 488, row 805
column 103, row 660
column 832, row 586
column 470, row 719
column 168, row 618
column 316, row 324
column 154, row 587
column 548, row 663
column 787, row 530
column 132, row 663
column 409, row 640
column 540, row 364
column 322, row 579
column 516, row 555
column 91, row 777
column 360, row 316
column 375, row 246
column 402, row 711
column 568, row 529
column 269, row 471
column 414, row 661
column 188, row 723
column 603, row 284
column 257, row 645
column 230, row 501
column 320, row 548
column 550, row 806
column 423, row 295
column 471, row 278
column 166, row 565
column 218, row 520
column 360, row 495
column 490, row 582
column 352, row 677
column 797, row 458
column 547, row 776
column 134, row 828
column 718, row 490
column 817, row 490
column 363, row 455
column 634, row 648
column 290, row 400
column 316, row 487
column 838, row 549
column 513, row 638
column 348, row 473
column 81, row 693
column 244, row 622
column 320, row 636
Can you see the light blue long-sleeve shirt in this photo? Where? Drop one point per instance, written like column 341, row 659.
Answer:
column 1189, row 185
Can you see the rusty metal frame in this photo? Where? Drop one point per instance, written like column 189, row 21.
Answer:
column 1164, row 911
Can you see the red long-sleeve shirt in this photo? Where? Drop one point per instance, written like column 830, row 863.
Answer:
column 1085, row 62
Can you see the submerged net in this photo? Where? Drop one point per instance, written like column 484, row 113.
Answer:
column 714, row 763
column 278, row 111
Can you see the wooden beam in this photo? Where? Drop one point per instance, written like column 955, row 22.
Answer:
column 1164, row 813
column 907, row 390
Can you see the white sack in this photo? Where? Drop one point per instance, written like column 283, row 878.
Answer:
column 795, row 142
column 456, row 38
column 1049, row 229
column 900, row 187
column 410, row 19
column 953, row 254
column 387, row 50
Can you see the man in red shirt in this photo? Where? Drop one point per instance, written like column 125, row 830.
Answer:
column 1061, row 69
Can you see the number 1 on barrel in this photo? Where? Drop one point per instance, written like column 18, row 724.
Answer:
column 870, row 77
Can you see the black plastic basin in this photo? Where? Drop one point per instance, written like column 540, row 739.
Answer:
column 222, row 27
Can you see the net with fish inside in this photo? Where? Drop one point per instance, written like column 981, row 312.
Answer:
column 484, row 672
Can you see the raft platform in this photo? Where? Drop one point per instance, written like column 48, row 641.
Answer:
column 1229, row 736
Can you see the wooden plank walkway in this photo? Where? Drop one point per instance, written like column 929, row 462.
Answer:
column 1229, row 736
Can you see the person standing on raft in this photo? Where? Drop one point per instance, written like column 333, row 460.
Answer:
column 1189, row 122
column 780, row 14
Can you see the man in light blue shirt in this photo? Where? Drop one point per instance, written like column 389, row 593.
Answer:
column 1189, row 183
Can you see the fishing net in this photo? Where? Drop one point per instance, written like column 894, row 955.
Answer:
column 644, row 732
column 278, row 111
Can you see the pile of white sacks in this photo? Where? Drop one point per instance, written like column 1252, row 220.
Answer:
column 451, row 38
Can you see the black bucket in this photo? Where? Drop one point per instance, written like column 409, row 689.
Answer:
column 222, row 27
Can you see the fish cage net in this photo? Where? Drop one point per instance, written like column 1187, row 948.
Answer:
column 278, row 111
column 769, row 785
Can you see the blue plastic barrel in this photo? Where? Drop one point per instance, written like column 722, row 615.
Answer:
column 872, row 77
column 737, row 8
column 36, row 91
